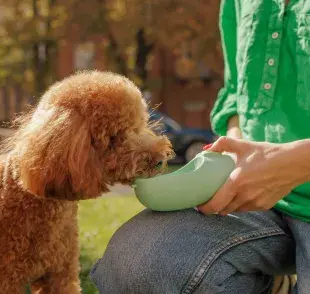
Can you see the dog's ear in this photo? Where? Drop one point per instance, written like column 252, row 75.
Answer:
column 58, row 159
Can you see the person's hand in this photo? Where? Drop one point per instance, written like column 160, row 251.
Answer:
column 264, row 174
column 233, row 128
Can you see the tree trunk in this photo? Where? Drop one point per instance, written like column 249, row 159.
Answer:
column 119, row 59
column 143, row 51
column 36, row 62
column 114, row 49
column 50, row 49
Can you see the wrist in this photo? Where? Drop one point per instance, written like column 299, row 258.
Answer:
column 233, row 122
column 299, row 156
column 233, row 129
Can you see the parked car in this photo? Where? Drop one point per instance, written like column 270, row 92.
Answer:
column 186, row 142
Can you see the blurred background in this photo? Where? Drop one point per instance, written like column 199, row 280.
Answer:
column 169, row 48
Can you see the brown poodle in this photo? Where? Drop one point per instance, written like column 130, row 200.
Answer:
column 88, row 131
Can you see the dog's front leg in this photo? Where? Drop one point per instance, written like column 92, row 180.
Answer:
column 64, row 282
column 11, row 285
column 12, row 280
column 63, row 276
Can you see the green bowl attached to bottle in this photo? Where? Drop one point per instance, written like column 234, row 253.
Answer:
column 192, row 185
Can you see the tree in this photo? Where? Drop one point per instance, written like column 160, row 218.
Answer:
column 132, row 29
column 180, row 25
column 31, row 31
column 29, row 36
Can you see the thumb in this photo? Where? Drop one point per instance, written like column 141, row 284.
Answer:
column 227, row 144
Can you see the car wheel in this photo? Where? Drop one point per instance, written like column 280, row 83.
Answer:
column 192, row 150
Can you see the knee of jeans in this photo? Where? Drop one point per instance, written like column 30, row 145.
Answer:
column 159, row 269
column 119, row 272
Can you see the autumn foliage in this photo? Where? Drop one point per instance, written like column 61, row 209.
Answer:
column 31, row 32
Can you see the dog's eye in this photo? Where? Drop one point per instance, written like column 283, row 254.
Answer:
column 112, row 141
column 92, row 141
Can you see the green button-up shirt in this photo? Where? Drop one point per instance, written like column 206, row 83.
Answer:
column 266, row 48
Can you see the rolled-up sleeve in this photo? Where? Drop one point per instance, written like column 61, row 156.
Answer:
column 226, row 104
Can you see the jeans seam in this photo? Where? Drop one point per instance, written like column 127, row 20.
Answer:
column 94, row 268
column 207, row 261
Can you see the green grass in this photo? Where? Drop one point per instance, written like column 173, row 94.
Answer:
column 98, row 220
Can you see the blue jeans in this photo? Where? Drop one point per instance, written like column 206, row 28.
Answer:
column 187, row 252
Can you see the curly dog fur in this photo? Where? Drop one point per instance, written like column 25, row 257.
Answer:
column 88, row 131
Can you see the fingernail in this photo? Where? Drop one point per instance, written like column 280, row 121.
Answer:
column 206, row 147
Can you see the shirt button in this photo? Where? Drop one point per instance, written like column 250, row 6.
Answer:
column 267, row 86
column 271, row 62
column 275, row 35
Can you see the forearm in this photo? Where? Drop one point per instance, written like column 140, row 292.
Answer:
column 299, row 153
column 233, row 128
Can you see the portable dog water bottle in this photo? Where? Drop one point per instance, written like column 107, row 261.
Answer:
column 188, row 187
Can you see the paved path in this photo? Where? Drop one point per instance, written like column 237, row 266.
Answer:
column 121, row 190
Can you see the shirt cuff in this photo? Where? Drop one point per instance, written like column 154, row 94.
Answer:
column 223, row 110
